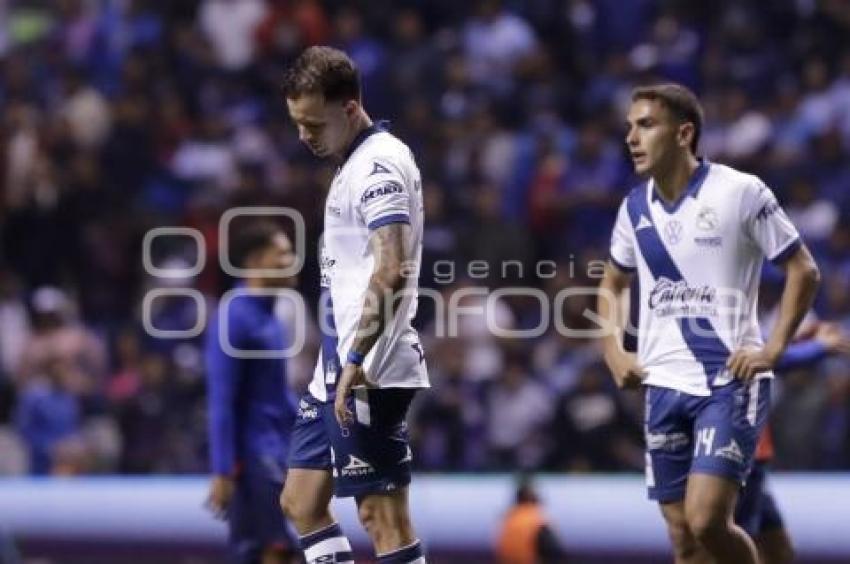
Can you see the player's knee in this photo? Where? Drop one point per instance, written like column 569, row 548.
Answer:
column 707, row 527
column 684, row 543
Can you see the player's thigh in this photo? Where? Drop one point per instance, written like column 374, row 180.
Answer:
column 307, row 493
column 668, row 445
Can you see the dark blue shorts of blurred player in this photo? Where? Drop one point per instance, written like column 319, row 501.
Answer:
column 713, row 434
column 757, row 512
column 370, row 455
column 255, row 519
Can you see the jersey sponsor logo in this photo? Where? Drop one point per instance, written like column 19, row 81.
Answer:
column 356, row 467
column 378, row 168
column 673, row 232
column 381, row 189
column 709, row 242
column 678, row 298
column 768, row 210
column 707, row 219
column 666, row 441
column 731, row 452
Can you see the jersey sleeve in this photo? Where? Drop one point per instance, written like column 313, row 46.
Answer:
column 383, row 195
column 767, row 224
column 222, row 372
column 622, row 251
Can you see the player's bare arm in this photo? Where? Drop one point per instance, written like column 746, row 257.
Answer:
column 387, row 245
column 802, row 278
column 623, row 365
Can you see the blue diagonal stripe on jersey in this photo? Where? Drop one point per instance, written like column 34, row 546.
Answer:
column 698, row 333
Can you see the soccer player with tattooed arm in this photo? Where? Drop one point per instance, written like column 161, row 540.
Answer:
column 350, row 438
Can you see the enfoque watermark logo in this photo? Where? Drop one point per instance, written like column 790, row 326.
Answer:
column 570, row 311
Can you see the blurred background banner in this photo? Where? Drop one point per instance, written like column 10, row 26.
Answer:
column 123, row 116
column 602, row 516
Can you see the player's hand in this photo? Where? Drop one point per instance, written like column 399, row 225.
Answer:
column 625, row 369
column 352, row 375
column 746, row 363
column 220, row 495
column 833, row 338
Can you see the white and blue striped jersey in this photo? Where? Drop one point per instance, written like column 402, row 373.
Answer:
column 377, row 184
column 699, row 263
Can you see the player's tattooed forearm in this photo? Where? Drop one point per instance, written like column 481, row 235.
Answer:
column 387, row 279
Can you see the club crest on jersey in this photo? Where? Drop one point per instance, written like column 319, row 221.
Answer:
column 707, row 219
column 673, row 232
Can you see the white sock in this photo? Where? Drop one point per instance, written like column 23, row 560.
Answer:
column 327, row 546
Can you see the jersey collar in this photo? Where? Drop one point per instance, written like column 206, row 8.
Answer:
column 692, row 189
column 377, row 127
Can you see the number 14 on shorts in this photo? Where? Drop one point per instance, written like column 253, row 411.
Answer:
column 704, row 442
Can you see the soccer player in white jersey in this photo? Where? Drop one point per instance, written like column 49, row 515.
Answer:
column 350, row 437
column 696, row 234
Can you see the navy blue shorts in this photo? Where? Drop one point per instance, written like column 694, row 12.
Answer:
column 756, row 511
column 370, row 455
column 255, row 519
column 713, row 434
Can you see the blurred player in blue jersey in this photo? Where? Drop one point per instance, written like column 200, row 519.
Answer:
column 351, row 436
column 251, row 411
column 757, row 511
column 696, row 233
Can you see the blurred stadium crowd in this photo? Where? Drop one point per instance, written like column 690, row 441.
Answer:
column 123, row 115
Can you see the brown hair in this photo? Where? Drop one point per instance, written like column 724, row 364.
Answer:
column 679, row 101
column 251, row 236
column 323, row 70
